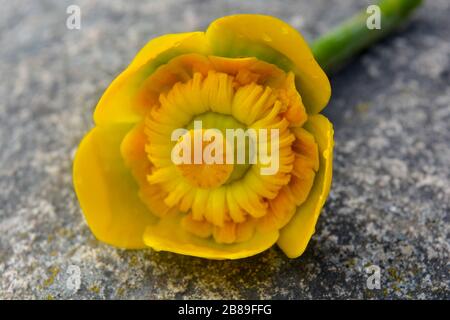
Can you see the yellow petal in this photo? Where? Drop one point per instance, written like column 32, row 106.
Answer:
column 295, row 236
column 132, row 149
column 107, row 191
column 274, row 41
column 120, row 103
column 306, row 147
column 249, row 69
column 178, row 41
column 225, row 233
column 168, row 235
column 201, row 229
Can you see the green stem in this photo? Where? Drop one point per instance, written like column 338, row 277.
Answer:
column 336, row 47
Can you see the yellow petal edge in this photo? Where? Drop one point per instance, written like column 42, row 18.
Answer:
column 106, row 190
column 294, row 237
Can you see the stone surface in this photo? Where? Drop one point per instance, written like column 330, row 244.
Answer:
column 390, row 199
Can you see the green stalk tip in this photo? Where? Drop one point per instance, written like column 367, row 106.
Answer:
column 339, row 45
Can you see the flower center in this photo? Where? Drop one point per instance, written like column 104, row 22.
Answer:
column 222, row 122
column 217, row 180
column 206, row 166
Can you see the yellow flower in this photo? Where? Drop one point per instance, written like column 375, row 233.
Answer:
column 245, row 71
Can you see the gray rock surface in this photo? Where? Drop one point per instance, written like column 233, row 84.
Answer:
column 390, row 199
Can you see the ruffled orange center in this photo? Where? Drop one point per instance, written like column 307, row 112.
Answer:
column 200, row 172
column 223, row 200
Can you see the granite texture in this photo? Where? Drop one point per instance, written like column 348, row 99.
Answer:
column 390, row 199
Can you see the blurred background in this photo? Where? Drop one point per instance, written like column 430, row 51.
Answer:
column 390, row 199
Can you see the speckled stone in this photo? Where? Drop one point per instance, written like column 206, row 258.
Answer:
column 390, row 199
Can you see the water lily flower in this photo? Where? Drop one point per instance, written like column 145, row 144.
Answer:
column 245, row 71
column 248, row 72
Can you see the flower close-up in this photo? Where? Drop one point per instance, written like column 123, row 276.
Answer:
column 207, row 152
column 245, row 72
